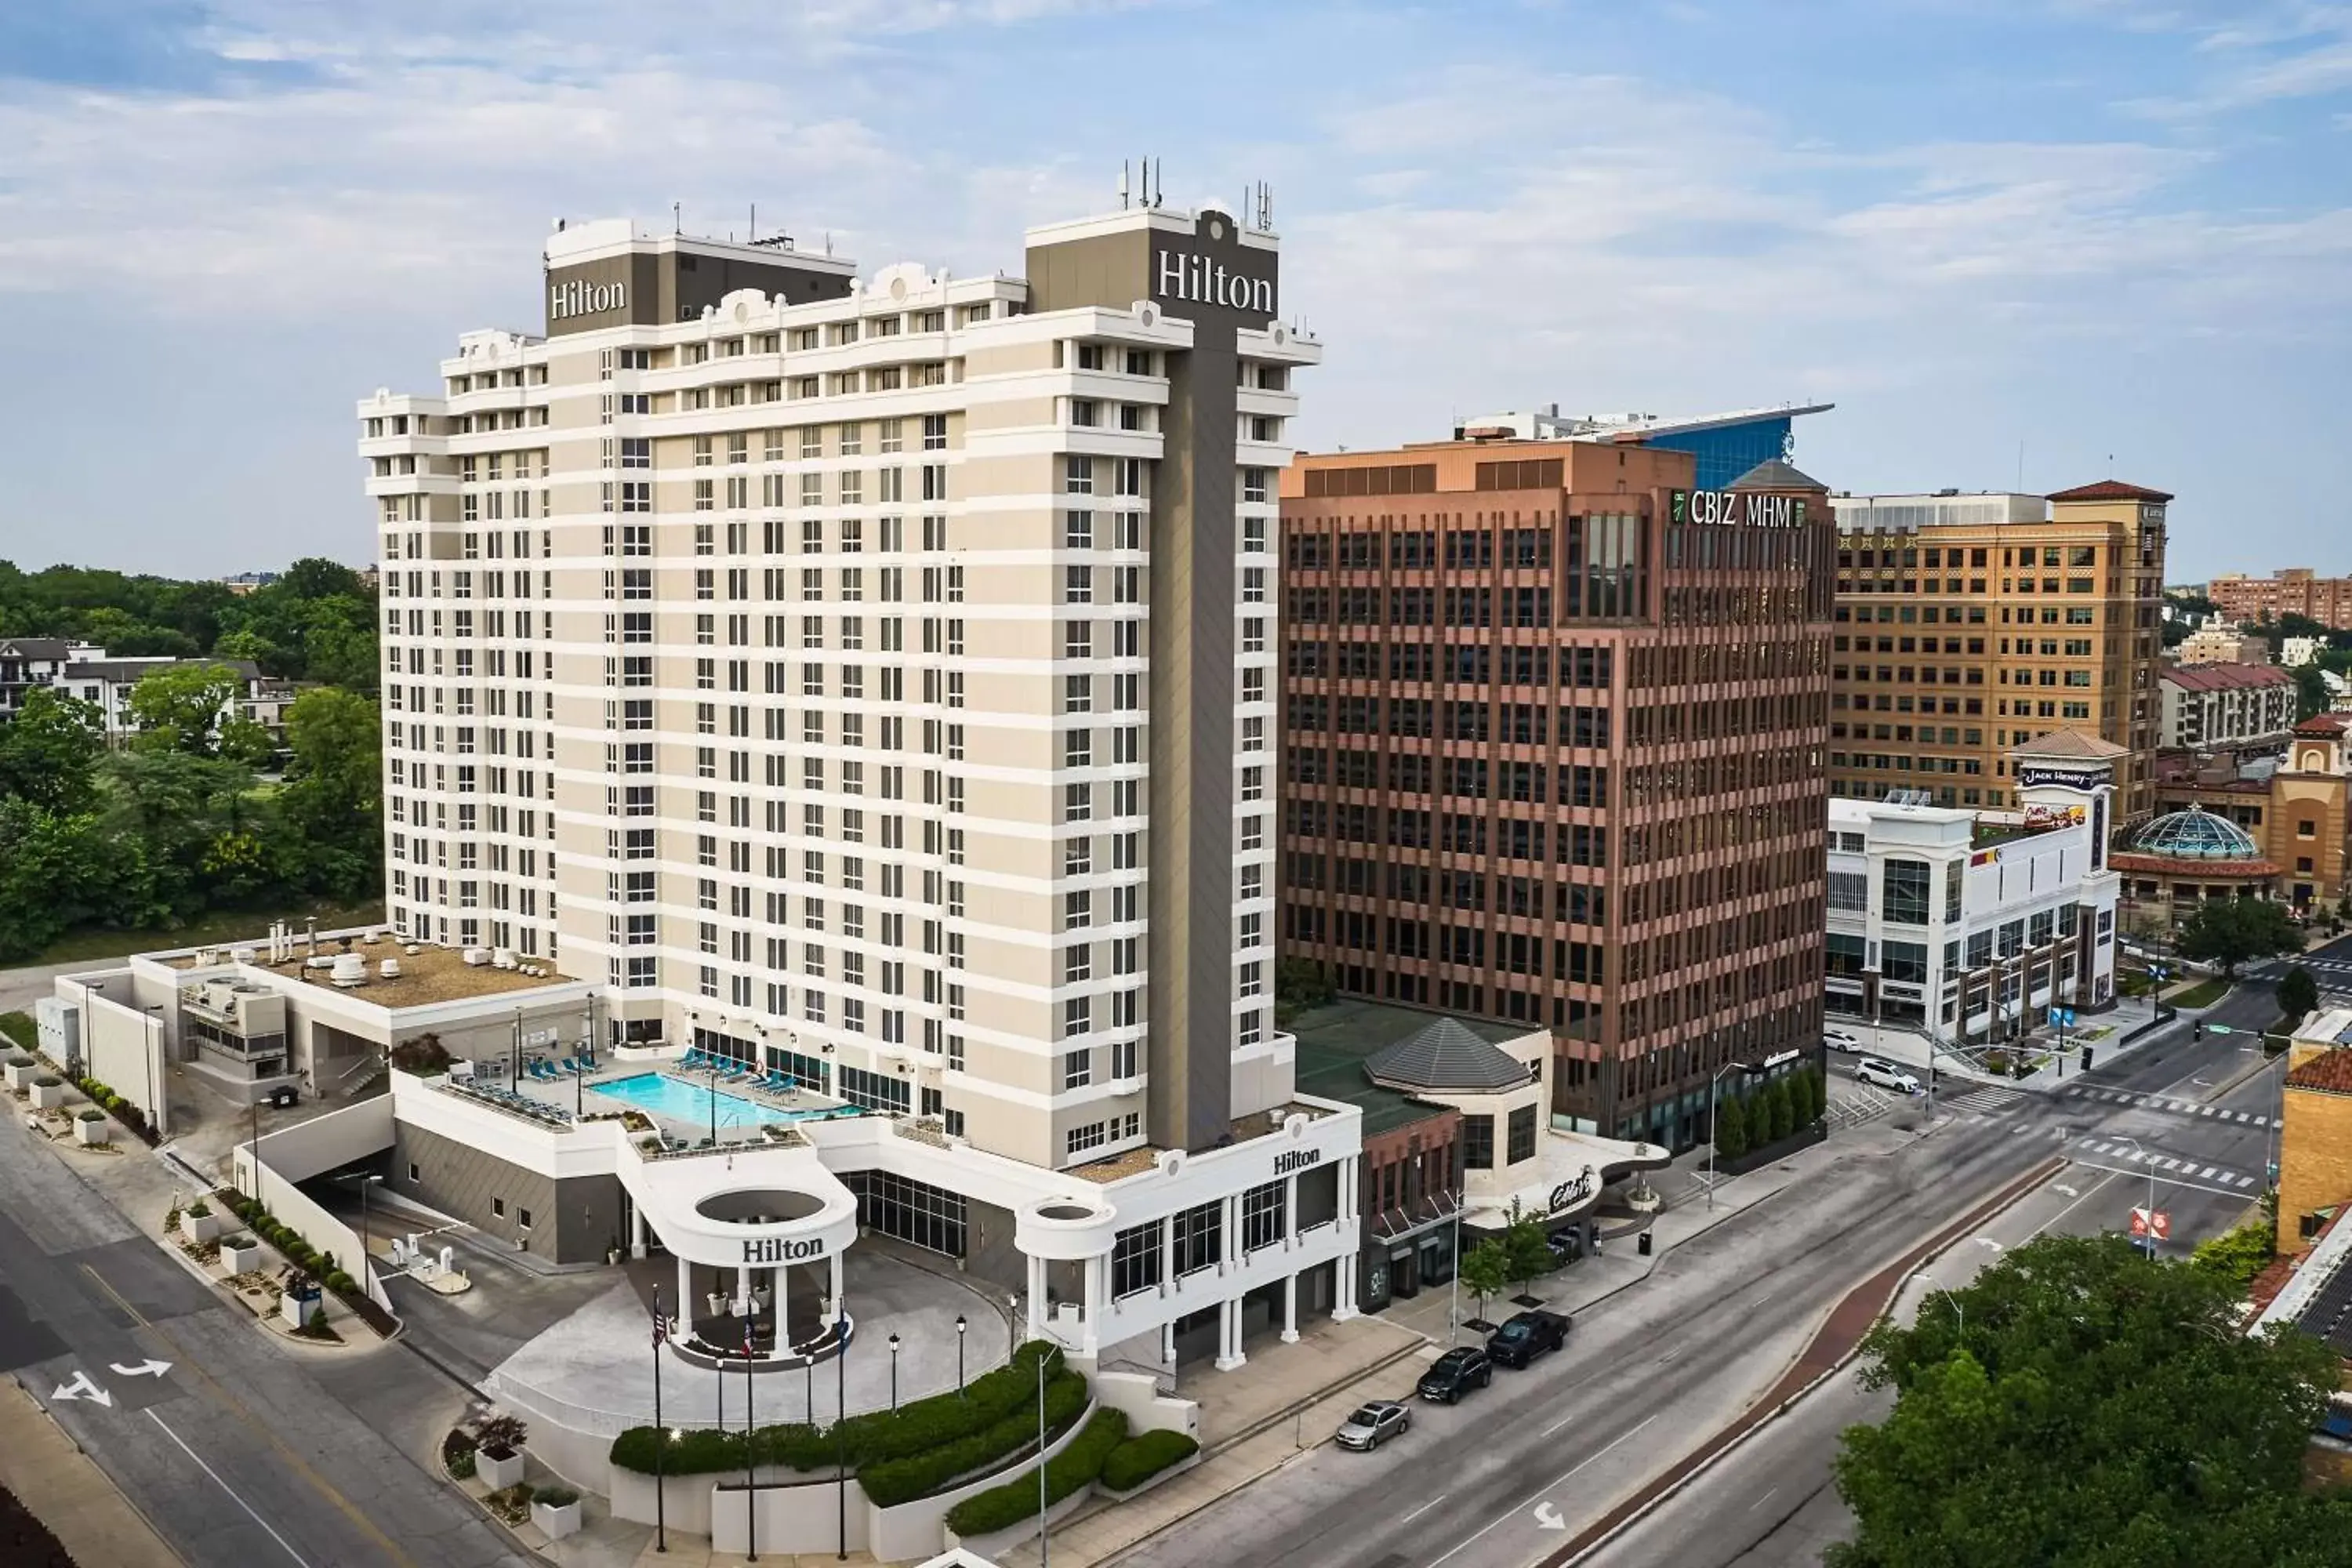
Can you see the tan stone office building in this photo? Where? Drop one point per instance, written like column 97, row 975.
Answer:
column 1967, row 625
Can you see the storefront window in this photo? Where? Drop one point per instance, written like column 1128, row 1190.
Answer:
column 1478, row 1142
column 1523, row 1134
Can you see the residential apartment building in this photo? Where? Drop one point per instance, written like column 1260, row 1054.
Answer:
column 1969, row 624
column 28, row 662
column 867, row 680
column 2207, row 705
column 2222, row 643
column 1552, row 750
column 2294, row 590
column 1971, row 925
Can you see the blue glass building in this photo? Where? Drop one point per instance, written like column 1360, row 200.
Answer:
column 1726, row 444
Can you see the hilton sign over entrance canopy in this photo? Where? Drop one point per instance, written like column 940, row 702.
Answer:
column 1726, row 508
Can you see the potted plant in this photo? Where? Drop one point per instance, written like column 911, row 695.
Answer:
column 296, row 1298
column 49, row 1091
column 498, row 1457
column 21, row 1071
column 93, row 1127
column 556, row 1510
column 241, row 1254
column 718, row 1302
column 199, row 1224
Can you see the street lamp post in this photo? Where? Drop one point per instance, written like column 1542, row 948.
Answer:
column 661, row 1433
column 1954, row 1302
column 894, row 1373
column 750, row 1438
column 959, row 1328
column 841, row 1429
column 1041, row 1462
column 711, row 1094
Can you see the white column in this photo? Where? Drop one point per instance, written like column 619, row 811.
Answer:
column 743, row 1284
column 1351, row 1182
column 1290, row 1308
column 1289, row 1208
column 637, row 1229
column 1229, row 1335
column 1168, row 1344
column 685, row 1290
column 1168, row 1257
column 1096, row 1276
column 1231, row 1224
column 1343, row 1300
column 783, row 1323
column 1037, row 1298
column 835, row 1262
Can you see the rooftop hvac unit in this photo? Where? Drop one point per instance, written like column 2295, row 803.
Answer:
column 241, row 954
column 502, row 957
column 412, row 950
column 476, row 956
column 348, row 969
column 206, row 956
column 389, row 969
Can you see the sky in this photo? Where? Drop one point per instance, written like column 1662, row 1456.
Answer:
column 2018, row 245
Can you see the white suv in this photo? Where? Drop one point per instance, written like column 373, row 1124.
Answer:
column 1885, row 1074
column 1845, row 1040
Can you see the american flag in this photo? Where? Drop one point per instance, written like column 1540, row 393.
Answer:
column 661, row 1322
column 746, row 1338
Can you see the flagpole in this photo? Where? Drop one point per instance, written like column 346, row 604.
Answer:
column 750, row 1441
column 661, row 1433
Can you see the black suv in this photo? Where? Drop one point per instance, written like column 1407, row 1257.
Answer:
column 1525, row 1337
column 1455, row 1373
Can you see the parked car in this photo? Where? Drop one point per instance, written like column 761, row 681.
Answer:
column 1843, row 1040
column 1885, row 1074
column 1373, row 1424
column 1455, row 1373
column 1567, row 1244
column 1526, row 1336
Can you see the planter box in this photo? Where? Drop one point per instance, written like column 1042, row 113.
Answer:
column 202, row 1227
column 23, row 1077
column 297, row 1310
column 495, row 1473
column 555, row 1522
column 48, row 1096
column 97, row 1132
column 242, row 1256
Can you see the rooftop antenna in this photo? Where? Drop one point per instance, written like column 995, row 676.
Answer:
column 753, row 235
column 676, row 221
column 1159, row 191
column 1122, row 184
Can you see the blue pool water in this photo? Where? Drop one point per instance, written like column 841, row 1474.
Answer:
column 689, row 1103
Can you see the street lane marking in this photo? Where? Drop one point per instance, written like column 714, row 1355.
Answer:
column 223, row 1485
column 1424, row 1507
column 2179, row 1181
column 2078, row 1203
column 320, row 1483
column 1759, row 1502
column 149, row 1368
column 1594, row 1459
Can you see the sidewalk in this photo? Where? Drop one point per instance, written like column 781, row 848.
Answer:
column 92, row 1520
column 2110, row 1035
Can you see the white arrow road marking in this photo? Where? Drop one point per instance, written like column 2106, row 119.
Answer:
column 81, row 1387
column 1548, row 1518
column 144, row 1369
column 1988, row 1241
column 2067, row 1190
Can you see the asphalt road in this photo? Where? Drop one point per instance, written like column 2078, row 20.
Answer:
column 226, row 1442
column 1772, row 1503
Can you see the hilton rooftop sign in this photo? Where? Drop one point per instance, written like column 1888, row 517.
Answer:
column 1202, row 281
column 581, row 297
column 1728, row 508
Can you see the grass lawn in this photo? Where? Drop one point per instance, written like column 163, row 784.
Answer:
column 214, row 926
column 2204, row 994
column 18, row 1029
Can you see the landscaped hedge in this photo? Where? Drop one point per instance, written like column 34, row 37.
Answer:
column 919, row 1428
column 321, row 1266
column 893, row 1481
column 1065, row 1472
column 1144, row 1456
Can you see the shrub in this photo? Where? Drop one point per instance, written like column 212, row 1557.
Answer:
column 891, row 1482
column 506, row 1433
column 1731, row 1128
column 198, row 1210
column 512, row 1504
column 50, row 1080
column 343, row 1284
column 555, row 1497
column 1075, row 1466
column 91, row 1114
column 460, row 1462
column 1144, row 1456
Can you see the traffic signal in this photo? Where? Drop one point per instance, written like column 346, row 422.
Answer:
column 2087, row 1055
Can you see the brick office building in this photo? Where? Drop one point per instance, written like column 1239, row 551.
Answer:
column 1554, row 727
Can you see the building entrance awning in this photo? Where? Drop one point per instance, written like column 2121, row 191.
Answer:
column 1572, row 1168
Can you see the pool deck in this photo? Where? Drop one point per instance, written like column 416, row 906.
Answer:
column 771, row 1107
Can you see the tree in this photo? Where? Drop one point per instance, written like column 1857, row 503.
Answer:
column 2231, row 932
column 2298, row 992
column 1484, row 1271
column 1730, row 1127
column 2235, row 1256
column 1779, row 1115
column 1527, row 1248
column 184, row 707
column 333, row 796
column 2311, row 694
column 49, row 751
column 2100, row 1409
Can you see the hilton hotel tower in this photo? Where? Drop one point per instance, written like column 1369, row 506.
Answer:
column 869, row 680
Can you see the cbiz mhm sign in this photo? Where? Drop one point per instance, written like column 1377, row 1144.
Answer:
column 1731, row 507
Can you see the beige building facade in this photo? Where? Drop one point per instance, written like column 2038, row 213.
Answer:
column 1968, row 625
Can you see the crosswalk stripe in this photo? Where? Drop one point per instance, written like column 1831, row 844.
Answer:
column 2204, row 1110
column 2262, row 1121
column 2207, row 1174
column 2245, row 1181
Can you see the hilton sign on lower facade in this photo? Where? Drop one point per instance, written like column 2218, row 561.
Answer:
column 780, row 1249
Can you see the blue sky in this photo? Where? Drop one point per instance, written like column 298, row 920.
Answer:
column 2082, row 231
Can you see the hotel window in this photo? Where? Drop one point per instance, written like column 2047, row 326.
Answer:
column 1265, row 1215
column 1081, row 1138
column 1197, row 1237
column 1136, row 1255
column 1077, row 1069
column 1478, row 1142
column 1078, row 474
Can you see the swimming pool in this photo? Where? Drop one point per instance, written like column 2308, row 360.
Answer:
column 690, row 1103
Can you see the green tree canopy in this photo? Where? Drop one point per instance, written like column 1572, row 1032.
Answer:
column 49, row 751
column 192, row 708
column 1730, row 1127
column 2311, row 694
column 2231, row 932
column 2298, row 992
column 2086, row 1406
column 1485, row 1272
column 331, row 796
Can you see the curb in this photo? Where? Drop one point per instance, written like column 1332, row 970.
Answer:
column 1269, row 1422
column 1727, row 1438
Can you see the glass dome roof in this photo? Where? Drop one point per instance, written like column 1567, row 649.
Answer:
column 2197, row 833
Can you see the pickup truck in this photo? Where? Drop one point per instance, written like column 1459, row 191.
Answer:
column 1527, row 1336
